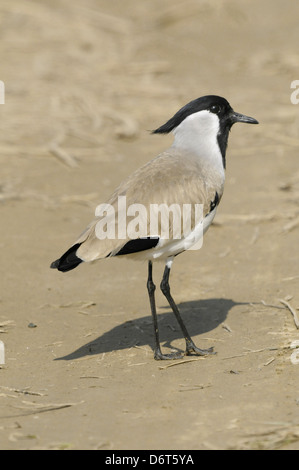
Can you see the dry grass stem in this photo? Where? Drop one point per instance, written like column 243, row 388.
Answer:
column 292, row 310
column 177, row 363
column 62, row 155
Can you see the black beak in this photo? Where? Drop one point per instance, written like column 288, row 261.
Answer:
column 237, row 117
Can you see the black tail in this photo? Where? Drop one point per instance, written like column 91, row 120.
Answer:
column 67, row 261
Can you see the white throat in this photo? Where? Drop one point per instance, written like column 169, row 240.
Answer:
column 197, row 134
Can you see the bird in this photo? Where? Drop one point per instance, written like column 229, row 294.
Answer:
column 191, row 172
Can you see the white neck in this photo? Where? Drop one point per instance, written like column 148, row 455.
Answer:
column 197, row 135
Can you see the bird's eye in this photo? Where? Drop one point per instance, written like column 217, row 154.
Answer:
column 216, row 109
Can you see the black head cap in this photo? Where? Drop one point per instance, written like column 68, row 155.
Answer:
column 212, row 103
column 216, row 105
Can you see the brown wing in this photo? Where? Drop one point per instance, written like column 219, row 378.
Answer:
column 170, row 179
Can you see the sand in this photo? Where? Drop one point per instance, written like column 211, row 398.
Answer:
column 85, row 82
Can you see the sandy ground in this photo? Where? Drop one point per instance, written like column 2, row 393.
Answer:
column 85, row 82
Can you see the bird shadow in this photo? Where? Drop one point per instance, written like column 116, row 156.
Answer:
column 199, row 316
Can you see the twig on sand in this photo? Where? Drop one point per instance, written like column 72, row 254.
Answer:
column 290, row 225
column 292, row 310
column 250, row 352
column 265, row 304
column 25, row 391
column 192, row 388
column 62, row 155
column 41, row 409
column 177, row 363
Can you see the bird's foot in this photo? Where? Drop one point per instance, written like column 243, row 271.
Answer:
column 191, row 350
column 159, row 356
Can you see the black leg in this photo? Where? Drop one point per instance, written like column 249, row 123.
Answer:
column 151, row 292
column 190, row 346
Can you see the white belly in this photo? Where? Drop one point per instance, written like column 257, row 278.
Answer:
column 167, row 248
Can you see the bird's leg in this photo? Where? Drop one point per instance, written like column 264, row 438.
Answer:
column 151, row 292
column 190, row 346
